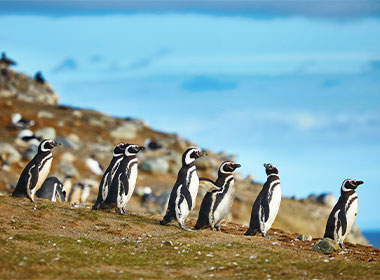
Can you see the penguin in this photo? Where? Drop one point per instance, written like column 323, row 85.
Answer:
column 26, row 135
column 52, row 189
column 124, row 180
column 94, row 165
column 161, row 200
column 36, row 171
column 183, row 195
column 343, row 214
column 20, row 122
column 118, row 153
column 265, row 208
column 217, row 203
column 79, row 193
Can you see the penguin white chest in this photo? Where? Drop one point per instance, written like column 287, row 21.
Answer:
column 351, row 211
column 42, row 174
column 225, row 205
column 132, row 180
column 274, row 205
column 193, row 185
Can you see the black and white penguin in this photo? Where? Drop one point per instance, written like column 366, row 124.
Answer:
column 118, row 154
column 36, row 171
column 343, row 215
column 265, row 208
column 79, row 193
column 183, row 195
column 20, row 122
column 124, row 180
column 94, row 166
column 217, row 203
column 52, row 189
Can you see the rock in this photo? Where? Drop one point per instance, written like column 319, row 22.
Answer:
column 325, row 246
column 71, row 141
column 7, row 151
column 157, row 165
column 93, row 121
column 68, row 169
column 46, row 133
column 68, row 157
column 312, row 197
column 327, row 199
column 138, row 123
column 168, row 243
column 77, row 114
column 45, row 114
column 125, row 131
column 205, row 163
column 303, row 237
column 30, row 152
column 6, row 93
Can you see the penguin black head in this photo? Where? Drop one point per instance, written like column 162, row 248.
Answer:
column 47, row 145
column 349, row 185
column 228, row 167
column 132, row 149
column 191, row 154
column 270, row 169
column 119, row 149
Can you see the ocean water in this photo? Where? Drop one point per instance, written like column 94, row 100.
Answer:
column 373, row 237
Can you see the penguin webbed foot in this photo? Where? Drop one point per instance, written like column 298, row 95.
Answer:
column 122, row 211
column 215, row 228
column 341, row 245
column 182, row 226
column 267, row 236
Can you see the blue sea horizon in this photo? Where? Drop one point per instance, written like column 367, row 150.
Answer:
column 373, row 236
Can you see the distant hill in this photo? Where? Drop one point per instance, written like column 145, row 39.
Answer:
column 85, row 132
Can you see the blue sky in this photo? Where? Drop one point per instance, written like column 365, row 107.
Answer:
column 294, row 87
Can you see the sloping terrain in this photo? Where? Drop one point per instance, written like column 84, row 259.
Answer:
column 62, row 242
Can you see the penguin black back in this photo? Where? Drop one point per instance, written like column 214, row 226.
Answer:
column 343, row 214
column 213, row 198
column 52, row 189
column 105, row 183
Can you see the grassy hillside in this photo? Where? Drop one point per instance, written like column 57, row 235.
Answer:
column 61, row 242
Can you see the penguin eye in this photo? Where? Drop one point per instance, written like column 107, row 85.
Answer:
column 352, row 182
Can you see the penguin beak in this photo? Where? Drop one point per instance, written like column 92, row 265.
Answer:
column 236, row 165
column 359, row 183
column 141, row 148
column 55, row 144
column 267, row 165
column 203, row 154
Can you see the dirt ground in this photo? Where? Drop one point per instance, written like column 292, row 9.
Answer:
column 58, row 241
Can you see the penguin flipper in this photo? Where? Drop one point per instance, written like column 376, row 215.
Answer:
column 343, row 221
column 210, row 184
column 33, row 173
column 186, row 193
column 265, row 207
column 124, row 182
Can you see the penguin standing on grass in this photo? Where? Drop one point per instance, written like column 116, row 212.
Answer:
column 118, row 154
column 185, row 190
column 217, row 203
column 36, row 171
column 343, row 215
column 265, row 208
column 124, row 180
column 52, row 189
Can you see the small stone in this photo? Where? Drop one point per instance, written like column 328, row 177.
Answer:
column 46, row 133
column 125, row 131
column 303, row 237
column 155, row 166
column 168, row 243
column 45, row 115
column 325, row 246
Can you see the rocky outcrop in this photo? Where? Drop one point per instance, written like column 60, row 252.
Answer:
column 25, row 88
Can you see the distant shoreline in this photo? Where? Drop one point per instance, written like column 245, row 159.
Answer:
column 373, row 236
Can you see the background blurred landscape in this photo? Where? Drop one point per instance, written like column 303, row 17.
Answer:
column 292, row 83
